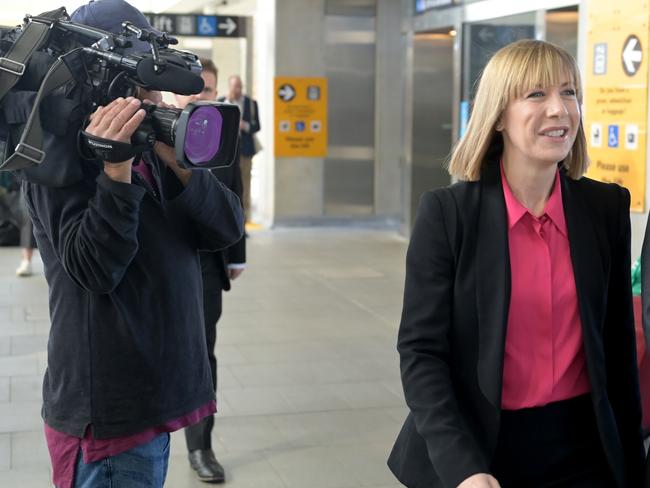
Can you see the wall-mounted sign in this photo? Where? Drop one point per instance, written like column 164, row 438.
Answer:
column 300, row 117
column 198, row 25
column 616, row 97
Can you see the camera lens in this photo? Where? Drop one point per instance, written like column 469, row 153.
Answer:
column 203, row 136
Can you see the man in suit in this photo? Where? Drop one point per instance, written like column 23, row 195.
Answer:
column 249, row 125
column 218, row 269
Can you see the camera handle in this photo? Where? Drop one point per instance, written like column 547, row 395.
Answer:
column 154, row 40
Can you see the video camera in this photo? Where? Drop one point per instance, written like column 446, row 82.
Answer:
column 57, row 58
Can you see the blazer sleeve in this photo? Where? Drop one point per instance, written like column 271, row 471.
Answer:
column 236, row 254
column 424, row 348
column 620, row 347
column 254, row 117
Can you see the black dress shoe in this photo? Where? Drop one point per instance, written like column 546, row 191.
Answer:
column 206, row 466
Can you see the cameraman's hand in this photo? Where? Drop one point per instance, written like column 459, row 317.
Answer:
column 168, row 154
column 117, row 122
column 481, row 480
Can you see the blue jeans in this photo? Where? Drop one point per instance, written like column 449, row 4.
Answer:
column 144, row 466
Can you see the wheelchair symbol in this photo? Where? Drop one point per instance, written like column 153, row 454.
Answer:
column 612, row 136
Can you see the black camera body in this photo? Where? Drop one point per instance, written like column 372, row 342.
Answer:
column 77, row 68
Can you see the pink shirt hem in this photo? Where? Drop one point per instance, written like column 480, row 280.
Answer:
column 64, row 448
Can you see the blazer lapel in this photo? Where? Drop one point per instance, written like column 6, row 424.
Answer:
column 584, row 245
column 492, row 282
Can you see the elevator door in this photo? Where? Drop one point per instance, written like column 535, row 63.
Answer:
column 432, row 113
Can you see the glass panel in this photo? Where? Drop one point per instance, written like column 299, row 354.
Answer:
column 433, row 77
column 562, row 28
column 480, row 41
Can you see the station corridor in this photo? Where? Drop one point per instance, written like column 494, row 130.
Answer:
column 309, row 390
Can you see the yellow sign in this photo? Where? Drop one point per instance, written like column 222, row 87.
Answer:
column 300, row 117
column 616, row 97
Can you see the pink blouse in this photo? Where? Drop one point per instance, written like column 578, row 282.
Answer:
column 544, row 355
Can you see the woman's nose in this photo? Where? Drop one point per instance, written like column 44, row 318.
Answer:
column 556, row 106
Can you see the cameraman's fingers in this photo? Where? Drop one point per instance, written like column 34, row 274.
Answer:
column 95, row 114
column 105, row 116
column 131, row 125
column 128, row 109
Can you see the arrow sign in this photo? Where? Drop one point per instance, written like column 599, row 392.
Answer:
column 485, row 34
column 632, row 55
column 287, row 92
column 228, row 26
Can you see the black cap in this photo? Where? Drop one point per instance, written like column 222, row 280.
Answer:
column 108, row 15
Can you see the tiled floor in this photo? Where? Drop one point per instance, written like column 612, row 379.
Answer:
column 309, row 392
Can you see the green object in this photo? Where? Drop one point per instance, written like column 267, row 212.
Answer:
column 636, row 278
column 6, row 180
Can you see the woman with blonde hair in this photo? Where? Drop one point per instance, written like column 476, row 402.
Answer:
column 516, row 342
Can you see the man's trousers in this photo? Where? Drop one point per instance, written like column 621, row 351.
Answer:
column 198, row 435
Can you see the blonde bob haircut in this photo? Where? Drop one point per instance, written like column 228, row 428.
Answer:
column 512, row 71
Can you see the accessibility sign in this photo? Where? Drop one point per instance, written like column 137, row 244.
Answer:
column 596, row 135
column 612, row 136
column 600, row 58
column 300, row 117
column 207, row 25
column 199, row 25
column 631, row 136
column 616, row 94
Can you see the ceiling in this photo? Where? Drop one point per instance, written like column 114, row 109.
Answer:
column 12, row 13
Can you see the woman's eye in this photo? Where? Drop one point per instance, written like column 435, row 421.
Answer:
column 535, row 94
column 570, row 92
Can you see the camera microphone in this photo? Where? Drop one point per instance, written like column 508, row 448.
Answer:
column 171, row 78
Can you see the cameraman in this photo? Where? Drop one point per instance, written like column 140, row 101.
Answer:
column 127, row 359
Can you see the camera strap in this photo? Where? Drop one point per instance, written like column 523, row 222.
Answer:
column 106, row 149
column 13, row 63
column 29, row 150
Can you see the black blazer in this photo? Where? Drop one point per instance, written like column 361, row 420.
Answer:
column 250, row 114
column 214, row 265
column 452, row 333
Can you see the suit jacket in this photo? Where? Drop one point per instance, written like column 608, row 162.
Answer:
column 214, row 265
column 250, row 114
column 452, row 333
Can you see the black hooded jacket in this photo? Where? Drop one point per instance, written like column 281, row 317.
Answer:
column 122, row 264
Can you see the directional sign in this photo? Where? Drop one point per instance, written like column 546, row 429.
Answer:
column 616, row 94
column 300, row 117
column 287, row 93
column 632, row 55
column 199, row 25
column 228, row 26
